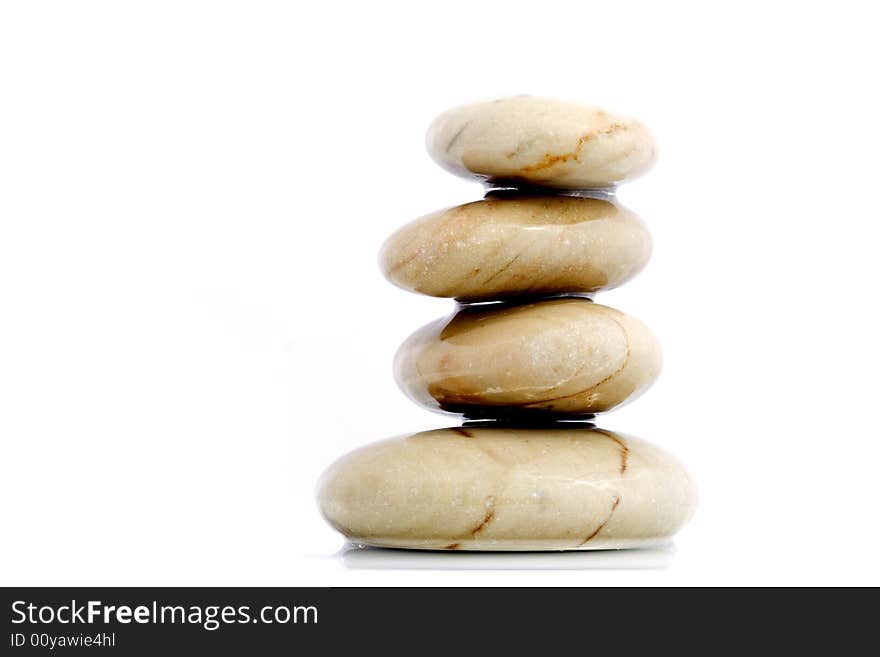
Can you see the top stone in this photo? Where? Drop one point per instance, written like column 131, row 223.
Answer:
column 529, row 141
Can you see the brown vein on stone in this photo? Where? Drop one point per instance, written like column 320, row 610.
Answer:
column 624, row 450
column 403, row 263
column 485, row 257
column 595, row 385
column 604, row 522
column 490, row 515
column 503, row 269
column 550, row 159
column 488, row 452
column 456, row 136
column 520, row 147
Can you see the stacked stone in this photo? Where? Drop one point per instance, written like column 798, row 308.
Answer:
column 527, row 358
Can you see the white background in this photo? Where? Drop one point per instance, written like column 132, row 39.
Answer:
column 193, row 325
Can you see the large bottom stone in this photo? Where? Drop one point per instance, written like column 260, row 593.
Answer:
column 492, row 488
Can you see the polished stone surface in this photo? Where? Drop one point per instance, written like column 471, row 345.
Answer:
column 539, row 141
column 564, row 356
column 476, row 488
column 510, row 245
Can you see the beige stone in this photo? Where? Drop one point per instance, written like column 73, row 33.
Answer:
column 508, row 489
column 562, row 356
column 500, row 247
column 539, row 141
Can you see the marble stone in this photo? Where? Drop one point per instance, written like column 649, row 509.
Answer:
column 566, row 356
column 511, row 245
column 469, row 488
column 539, row 141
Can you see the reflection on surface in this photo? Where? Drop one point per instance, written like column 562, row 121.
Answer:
column 370, row 558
